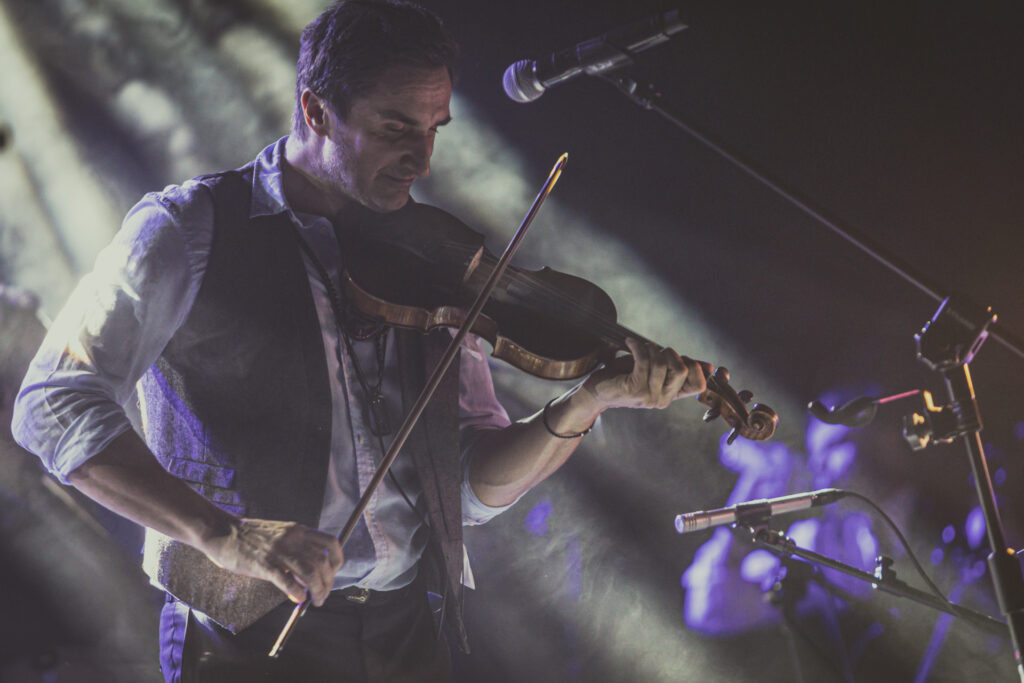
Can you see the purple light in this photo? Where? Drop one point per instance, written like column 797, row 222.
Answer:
column 948, row 534
column 722, row 585
column 573, row 569
column 804, row 532
column 924, row 667
column 937, row 556
column 829, row 456
column 975, row 527
column 536, row 521
column 1018, row 430
column 1000, row 476
column 759, row 566
column 867, row 544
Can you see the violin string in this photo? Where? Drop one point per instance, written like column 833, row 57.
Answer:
column 562, row 306
column 568, row 305
column 604, row 327
column 568, row 308
column 565, row 306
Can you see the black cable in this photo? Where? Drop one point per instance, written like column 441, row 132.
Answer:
column 906, row 546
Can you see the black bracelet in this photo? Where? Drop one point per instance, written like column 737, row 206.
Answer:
column 552, row 432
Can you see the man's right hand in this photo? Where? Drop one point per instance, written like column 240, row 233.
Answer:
column 126, row 478
column 291, row 556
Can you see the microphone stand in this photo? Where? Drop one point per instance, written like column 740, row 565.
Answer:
column 790, row 588
column 947, row 344
column 884, row 578
column 786, row 594
column 648, row 97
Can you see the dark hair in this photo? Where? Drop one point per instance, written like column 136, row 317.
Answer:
column 344, row 51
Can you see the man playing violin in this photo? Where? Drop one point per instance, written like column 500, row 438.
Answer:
column 265, row 404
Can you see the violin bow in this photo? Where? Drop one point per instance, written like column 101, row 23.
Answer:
column 428, row 390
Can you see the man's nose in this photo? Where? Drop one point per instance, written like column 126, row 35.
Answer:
column 418, row 153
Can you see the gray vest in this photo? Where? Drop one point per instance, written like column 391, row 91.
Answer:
column 238, row 406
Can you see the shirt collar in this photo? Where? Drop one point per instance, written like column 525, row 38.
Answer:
column 267, row 188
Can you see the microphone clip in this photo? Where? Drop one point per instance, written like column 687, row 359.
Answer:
column 933, row 424
column 856, row 413
column 939, row 424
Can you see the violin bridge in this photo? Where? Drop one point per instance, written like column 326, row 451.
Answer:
column 474, row 263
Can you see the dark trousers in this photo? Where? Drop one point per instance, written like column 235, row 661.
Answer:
column 391, row 638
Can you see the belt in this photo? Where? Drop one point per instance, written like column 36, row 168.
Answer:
column 357, row 595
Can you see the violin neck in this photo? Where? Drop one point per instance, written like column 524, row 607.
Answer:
column 616, row 335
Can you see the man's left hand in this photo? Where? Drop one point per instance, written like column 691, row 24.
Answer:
column 651, row 377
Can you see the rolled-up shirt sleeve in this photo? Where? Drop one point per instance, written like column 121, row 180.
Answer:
column 115, row 324
column 479, row 412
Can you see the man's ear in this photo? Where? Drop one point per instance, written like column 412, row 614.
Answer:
column 315, row 112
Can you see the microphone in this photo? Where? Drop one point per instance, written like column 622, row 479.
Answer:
column 857, row 413
column 527, row 80
column 756, row 510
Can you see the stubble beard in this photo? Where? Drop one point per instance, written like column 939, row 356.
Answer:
column 335, row 171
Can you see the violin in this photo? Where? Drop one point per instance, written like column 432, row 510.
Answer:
column 421, row 268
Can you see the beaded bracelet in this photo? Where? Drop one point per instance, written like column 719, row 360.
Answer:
column 552, row 432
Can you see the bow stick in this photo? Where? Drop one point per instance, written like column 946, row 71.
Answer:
column 428, row 389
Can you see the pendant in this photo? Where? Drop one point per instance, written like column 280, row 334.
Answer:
column 380, row 418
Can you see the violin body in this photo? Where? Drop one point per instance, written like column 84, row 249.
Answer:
column 421, row 268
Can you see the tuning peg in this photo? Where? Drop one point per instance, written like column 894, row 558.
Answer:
column 712, row 413
column 746, row 395
column 732, row 436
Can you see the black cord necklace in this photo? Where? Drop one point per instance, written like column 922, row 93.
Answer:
column 375, row 406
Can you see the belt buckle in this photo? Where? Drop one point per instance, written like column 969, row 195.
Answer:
column 360, row 596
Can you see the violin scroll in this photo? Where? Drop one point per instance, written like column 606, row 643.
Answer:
column 757, row 424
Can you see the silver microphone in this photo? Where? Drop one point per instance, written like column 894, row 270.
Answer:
column 527, row 80
column 756, row 510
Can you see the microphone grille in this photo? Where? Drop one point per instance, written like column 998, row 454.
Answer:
column 520, row 82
